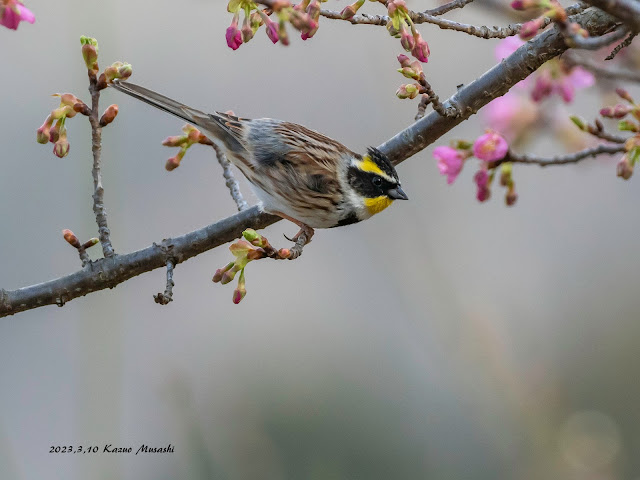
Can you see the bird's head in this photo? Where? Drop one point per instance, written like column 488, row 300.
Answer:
column 374, row 178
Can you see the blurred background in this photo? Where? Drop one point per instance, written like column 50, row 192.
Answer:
column 441, row 339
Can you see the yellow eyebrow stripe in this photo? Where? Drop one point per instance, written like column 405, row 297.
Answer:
column 368, row 165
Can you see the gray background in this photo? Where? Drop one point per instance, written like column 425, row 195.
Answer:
column 441, row 339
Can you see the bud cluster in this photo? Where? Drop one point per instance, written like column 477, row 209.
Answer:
column 252, row 246
column 401, row 26
column 411, row 70
column 118, row 70
column 191, row 136
column 72, row 240
column 54, row 130
column 630, row 124
column 550, row 9
column 303, row 17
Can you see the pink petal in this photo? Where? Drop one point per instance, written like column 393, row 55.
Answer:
column 26, row 15
column 581, row 78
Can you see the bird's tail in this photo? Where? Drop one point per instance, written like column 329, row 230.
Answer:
column 213, row 125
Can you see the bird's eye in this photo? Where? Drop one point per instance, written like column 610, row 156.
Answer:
column 377, row 181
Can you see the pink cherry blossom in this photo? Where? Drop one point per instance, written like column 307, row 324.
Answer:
column 510, row 115
column 490, row 147
column 506, row 47
column 450, row 162
column 13, row 12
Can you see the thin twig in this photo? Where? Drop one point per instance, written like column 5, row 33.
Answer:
column 447, row 7
column 434, row 100
column 626, row 10
column 607, row 72
column 423, row 17
column 231, row 182
column 167, row 296
column 561, row 159
column 622, row 45
column 422, row 107
column 596, row 43
column 98, row 190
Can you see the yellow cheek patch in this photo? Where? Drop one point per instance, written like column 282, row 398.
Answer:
column 377, row 204
column 368, row 165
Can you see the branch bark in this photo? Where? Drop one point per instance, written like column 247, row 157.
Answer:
column 109, row 272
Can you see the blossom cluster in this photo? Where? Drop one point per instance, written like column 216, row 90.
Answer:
column 191, row 136
column 252, row 246
column 550, row 9
column 303, row 17
column 490, row 148
column 54, row 127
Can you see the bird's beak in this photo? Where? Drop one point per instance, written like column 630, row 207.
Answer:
column 397, row 194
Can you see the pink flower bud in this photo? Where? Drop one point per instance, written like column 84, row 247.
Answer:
column 406, row 39
column 490, row 147
column 619, row 111
column 272, row 32
column 404, row 60
column 233, row 35
column 530, row 29
column 420, row 49
column 511, row 197
column 623, row 94
column 172, row 164
column 481, row 179
column 240, row 291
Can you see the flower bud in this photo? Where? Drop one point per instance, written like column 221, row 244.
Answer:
column 284, row 253
column 247, row 31
column 71, row 239
column 174, row 141
column 618, row 111
column 272, row 32
column 172, row 163
column 409, row 72
column 43, row 132
column 282, row 33
column 511, row 197
column 109, row 115
column 240, row 291
column 81, row 107
column 627, row 126
column 406, row 39
column 90, row 243
column 404, row 60
column 421, row 49
column 90, row 53
column 623, row 94
column 624, row 169
column 251, row 236
column 578, row 122
column 407, row 91
column 530, row 29
column 348, row 12
column 220, row 272
column 61, row 147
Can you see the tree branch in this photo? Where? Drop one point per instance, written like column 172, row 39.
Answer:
column 626, row 10
column 109, row 272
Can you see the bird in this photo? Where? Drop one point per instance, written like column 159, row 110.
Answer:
column 296, row 173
